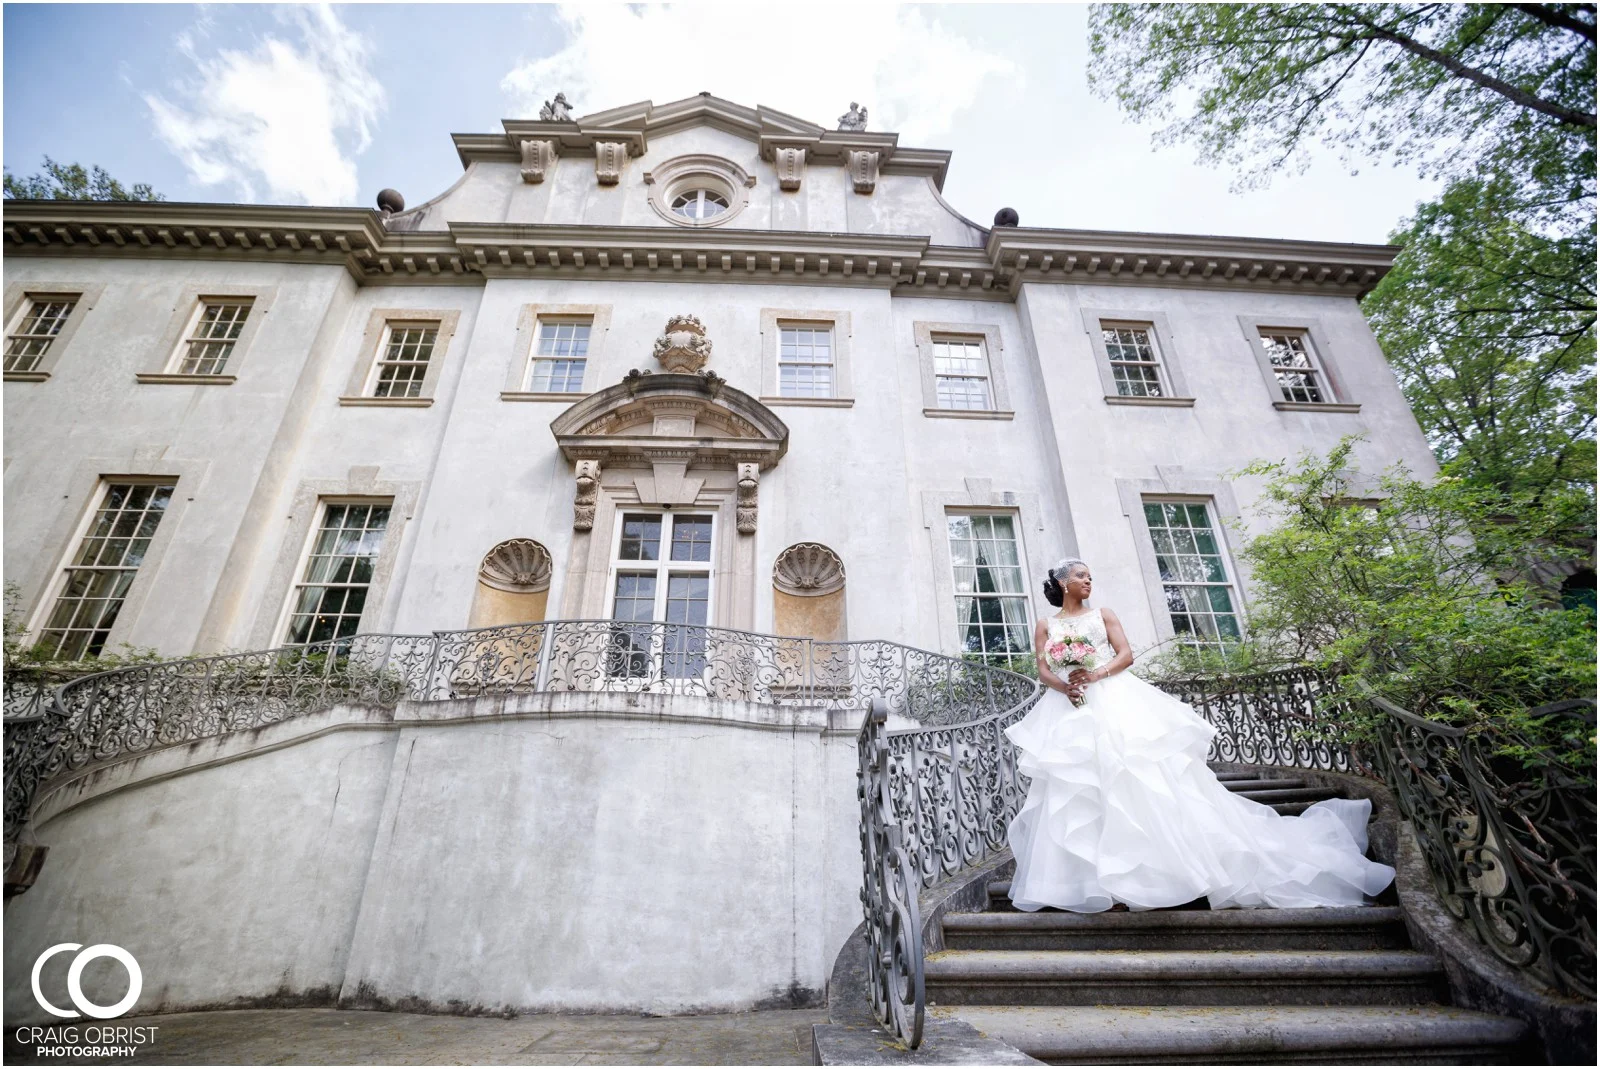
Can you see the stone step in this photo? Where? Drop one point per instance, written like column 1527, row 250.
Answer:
column 1239, row 785
column 1183, row 978
column 1227, row 776
column 1341, row 928
column 1243, row 1035
column 1294, row 794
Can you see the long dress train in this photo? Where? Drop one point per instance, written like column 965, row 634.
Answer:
column 1122, row 808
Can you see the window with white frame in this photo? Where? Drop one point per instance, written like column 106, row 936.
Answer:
column 37, row 326
column 403, row 361
column 560, row 356
column 96, row 579
column 211, row 338
column 991, row 599
column 331, row 595
column 661, row 568
column 805, row 360
column 1194, row 573
column 961, row 373
column 1135, row 359
column 1294, row 365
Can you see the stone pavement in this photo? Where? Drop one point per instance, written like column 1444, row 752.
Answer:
column 354, row 1037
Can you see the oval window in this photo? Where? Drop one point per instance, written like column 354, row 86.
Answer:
column 699, row 204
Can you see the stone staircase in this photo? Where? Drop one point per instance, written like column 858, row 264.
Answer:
column 1192, row 985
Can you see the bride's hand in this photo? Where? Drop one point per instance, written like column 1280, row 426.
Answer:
column 1080, row 678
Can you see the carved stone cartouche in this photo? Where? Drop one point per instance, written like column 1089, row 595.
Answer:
column 683, row 346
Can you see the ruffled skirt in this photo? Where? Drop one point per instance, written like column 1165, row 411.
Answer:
column 1122, row 808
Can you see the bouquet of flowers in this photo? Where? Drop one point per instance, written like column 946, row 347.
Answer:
column 1069, row 652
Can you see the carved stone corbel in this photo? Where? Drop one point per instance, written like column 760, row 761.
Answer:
column 791, row 166
column 749, row 485
column 609, row 159
column 588, row 479
column 864, row 170
column 538, row 157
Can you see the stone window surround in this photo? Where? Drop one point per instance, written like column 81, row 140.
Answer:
column 698, row 171
column 1174, row 484
column 522, row 350
column 18, row 295
column 361, row 486
column 358, row 392
column 83, row 491
column 772, row 321
column 1321, row 355
column 586, row 594
column 994, row 353
column 169, row 350
column 1160, row 327
column 978, row 497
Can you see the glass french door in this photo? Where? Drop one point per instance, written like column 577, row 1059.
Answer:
column 661, row 595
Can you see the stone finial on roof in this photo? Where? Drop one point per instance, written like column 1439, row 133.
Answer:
column 854, row 119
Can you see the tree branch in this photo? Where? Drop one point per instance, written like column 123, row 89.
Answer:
column 1461, row 70
column 1559, row 19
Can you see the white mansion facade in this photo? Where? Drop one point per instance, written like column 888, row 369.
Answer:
column 691, row 362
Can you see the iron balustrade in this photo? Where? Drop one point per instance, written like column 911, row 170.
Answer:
column 1510, row 845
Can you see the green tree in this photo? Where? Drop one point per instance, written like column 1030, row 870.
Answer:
column 69, row 181
column 1489, row 313
column 1417, row 593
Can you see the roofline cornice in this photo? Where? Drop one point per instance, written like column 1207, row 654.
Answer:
column 1122, row 257
column 358, row 240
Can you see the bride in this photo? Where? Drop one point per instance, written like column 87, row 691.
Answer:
column 1122, row 808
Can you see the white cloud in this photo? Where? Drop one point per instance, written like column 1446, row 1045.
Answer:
column 913, row 74
column 288, row 117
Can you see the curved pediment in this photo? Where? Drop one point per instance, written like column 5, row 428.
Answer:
column 696, row 418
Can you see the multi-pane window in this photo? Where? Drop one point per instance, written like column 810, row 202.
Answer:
column 653, row 589
column 1135, row 365
column 699, row 204
column 805, row 361
column 100, row 573
column 404, row 363
column 961, row 373
column 1298, row 375
column 332, row 591
column 991, row 600
column 36, row 330
column 559, row 357
column 1194, row 575
column 211, row 340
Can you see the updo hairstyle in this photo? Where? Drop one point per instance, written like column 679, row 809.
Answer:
column 1053, row 593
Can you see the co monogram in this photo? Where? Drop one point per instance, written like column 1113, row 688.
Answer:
column 75, row 980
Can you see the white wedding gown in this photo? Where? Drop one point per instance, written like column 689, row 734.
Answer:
column 1122, row 808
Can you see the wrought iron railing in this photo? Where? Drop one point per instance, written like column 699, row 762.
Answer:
column 1270, row 718
column 1510, row 843
column 107, row 715
column 936, row 799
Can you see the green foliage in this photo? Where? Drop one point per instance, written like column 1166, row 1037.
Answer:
column 1450, row 86
column 1419, row 592
column 1489, row 312
column 1488, row 319
column 69, row 181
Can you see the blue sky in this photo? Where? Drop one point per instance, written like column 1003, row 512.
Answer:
column 301, row 104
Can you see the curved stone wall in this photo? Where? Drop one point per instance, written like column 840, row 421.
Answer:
column 540, row 852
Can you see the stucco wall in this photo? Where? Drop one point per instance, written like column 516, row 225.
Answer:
column 540, row 852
